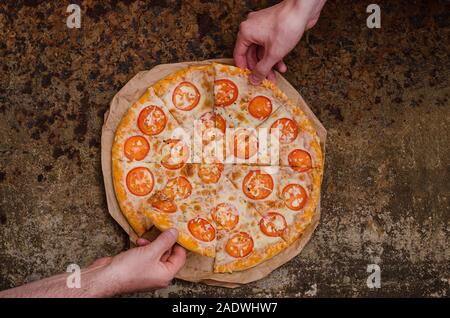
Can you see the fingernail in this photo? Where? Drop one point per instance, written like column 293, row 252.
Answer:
column 254, row 80
column 174, row 233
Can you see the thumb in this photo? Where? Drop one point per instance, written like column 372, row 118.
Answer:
column 262, row 69
column 164, row 241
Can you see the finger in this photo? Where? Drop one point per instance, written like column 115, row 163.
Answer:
column 281, row 66
column 166, row 255
column 272, row 77
column 142, row 241
column 240, row 51
column 177, row 259
column 262, row 69
column 252, row 58
column 164, row 241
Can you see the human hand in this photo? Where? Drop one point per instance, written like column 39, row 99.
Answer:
column 268, row 35
column 152, row 265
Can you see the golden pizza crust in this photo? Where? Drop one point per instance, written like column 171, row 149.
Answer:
column 134, row 215
column 253, row 259
column 164, row 222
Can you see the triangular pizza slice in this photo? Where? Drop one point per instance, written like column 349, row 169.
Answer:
column 144, row 130
column 299, row 145
column 242, row 239
column 239, row 102
column 134, row 182
column 183, row 199
column 298, row 195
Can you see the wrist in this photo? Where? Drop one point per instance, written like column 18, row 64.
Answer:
column 102, row 279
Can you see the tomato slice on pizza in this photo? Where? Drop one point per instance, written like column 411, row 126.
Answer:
column 294, row 196
column 300, row 160
column 273, row 224
column 239, row 245
column 210, row 173
column 175, row 154
column 257, row 185
column 152, row 120
column 287, row 129
column 136, row 148
column 225, row 215
column 140, row 181
column 201, row 229
column 260, row 107
column 162, row 202
column 211, row 120
column 178, row 188
column 185, row 96
column 225, row 92
column 245, row 143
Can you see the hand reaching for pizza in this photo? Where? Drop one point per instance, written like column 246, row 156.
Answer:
column 268, row 35
column 150, row 266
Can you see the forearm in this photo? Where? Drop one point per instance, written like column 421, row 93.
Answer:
column 96, row 281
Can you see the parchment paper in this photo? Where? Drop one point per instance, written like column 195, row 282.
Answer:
column 198, row 268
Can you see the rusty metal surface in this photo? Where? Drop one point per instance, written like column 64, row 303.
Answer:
column 383, row 95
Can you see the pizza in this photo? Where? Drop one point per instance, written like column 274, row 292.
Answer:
column 235, row 168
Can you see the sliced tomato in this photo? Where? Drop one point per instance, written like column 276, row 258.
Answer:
column 209, row 122
column 175, row 154
column 185, row 96
column 221, row 124
column 273, row 224
column 163, row 203
column 201, row 229
column 178, row 188
column 245, row 143
column 152, row 120
column 257, row 185
column 300, row 160
column 136, row 148
column 288, row 129
column 260, row 107
column 225, row 215
column 210, row 173
column 239, row 245
column 140, row 181
column 294, row 196
column 225, row 92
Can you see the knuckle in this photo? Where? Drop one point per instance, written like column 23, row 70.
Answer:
column 244, row 28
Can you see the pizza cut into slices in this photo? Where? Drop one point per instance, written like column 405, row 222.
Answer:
column 243, row 240
column 143, row 130
column 134, row 182
column 184, row 199
column 235, row 168
column 299, row 145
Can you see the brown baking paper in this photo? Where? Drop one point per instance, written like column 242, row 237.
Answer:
column 198, row 268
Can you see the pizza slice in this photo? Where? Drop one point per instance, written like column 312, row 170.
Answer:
column 134, row 182
column 240, row 103
column 183, row 200
column 143, row 130
column 188, row 93
column 243, row 240
column 298, row 197
column 299, row 145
